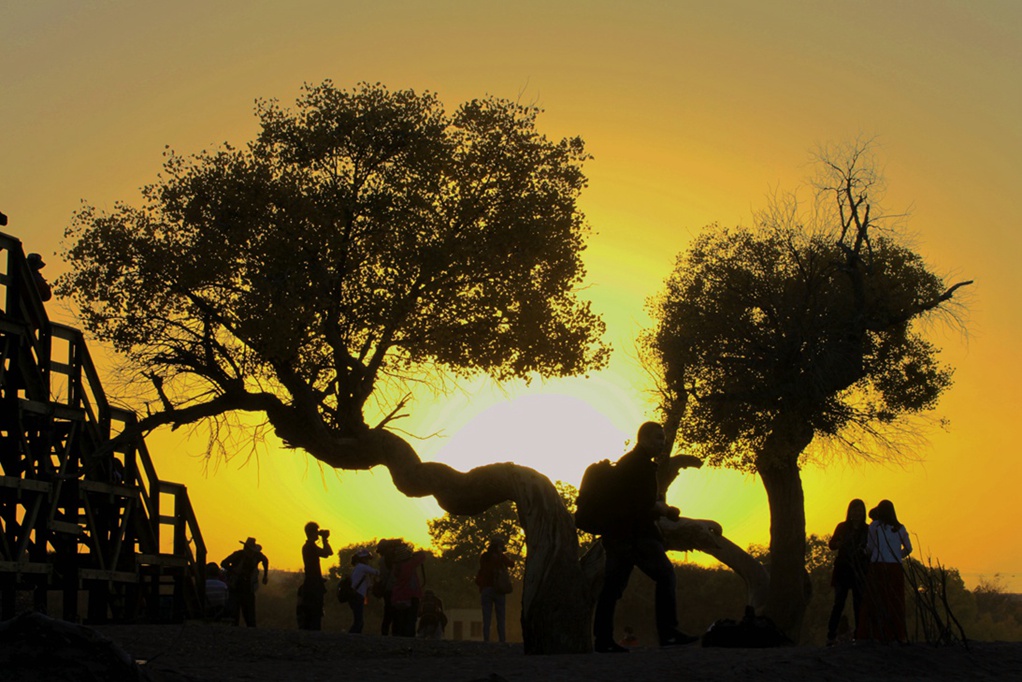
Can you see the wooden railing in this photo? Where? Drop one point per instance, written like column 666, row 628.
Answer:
column 106, row 499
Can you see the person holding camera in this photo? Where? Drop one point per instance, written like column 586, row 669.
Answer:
column 310, row 594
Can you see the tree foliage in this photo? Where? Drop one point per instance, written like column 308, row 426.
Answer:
column 363, row 237
column 461, row 539
column 815, row 316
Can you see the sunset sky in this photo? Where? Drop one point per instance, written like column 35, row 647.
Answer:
column 694, row 112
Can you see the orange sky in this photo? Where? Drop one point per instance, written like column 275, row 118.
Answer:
column 694, row 113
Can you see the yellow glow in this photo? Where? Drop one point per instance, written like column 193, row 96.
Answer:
column 694, row 112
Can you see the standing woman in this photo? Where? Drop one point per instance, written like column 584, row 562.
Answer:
column 361, row 580
column 493, row 580
column 883, row 610
column 850, row 565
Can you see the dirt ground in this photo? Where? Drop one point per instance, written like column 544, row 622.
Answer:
column 206, row 653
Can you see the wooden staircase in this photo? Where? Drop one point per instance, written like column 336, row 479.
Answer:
column 77, row 517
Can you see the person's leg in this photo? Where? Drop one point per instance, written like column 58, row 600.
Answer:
column 413, row 617
column 652, row 560
column 357, row 611
column 248, row 607
column 871, row 606
column 388, row 615
column 498, row 603
column 617, row 570
column 893, row 582
column 234, row 606
column 314, row 611
column 486, row 601
column 858, row 596
column 840, row 597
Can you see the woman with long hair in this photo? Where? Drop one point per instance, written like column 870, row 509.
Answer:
column 883, row 609
column 850, row 565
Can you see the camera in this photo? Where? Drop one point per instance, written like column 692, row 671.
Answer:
column 324, row 533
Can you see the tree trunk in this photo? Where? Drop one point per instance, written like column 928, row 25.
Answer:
column 777, row 465
column 685, row 535
column 556, row 610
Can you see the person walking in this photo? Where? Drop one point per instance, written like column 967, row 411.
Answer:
column 313, row 589
column 883, row 608
column 633, row 539
column 850, row 565
column 494, row 582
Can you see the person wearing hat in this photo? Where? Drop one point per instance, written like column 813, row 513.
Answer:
column 35, row 264
column 493, row 564
column 242, row 569
column 361, row 580
column 310, row 594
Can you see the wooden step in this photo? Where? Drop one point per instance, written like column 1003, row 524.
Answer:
column 24, row 484
column 167, row 560
column 115, row 576
column 25, row 567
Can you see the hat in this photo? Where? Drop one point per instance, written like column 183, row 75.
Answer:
column 249, row 542
column 364, row 554
column 35, row 260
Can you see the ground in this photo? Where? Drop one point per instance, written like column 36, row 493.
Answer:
column 37, row 649
column 208, row 653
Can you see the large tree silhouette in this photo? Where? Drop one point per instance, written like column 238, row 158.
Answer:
column 365, row 241
column 803, row 327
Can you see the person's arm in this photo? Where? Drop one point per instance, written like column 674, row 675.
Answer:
column 906, row 544
column 266, row 568
column 835, row 539
column 871, row 541
column 325, row 551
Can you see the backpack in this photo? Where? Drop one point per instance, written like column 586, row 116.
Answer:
column 346, row 591
column 596, row 506
column 752, row 632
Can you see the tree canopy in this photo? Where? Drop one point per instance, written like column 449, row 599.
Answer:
column 364, row 236
column 809, row 315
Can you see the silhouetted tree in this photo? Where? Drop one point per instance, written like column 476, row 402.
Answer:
column 804, row 327
column 365, row 241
